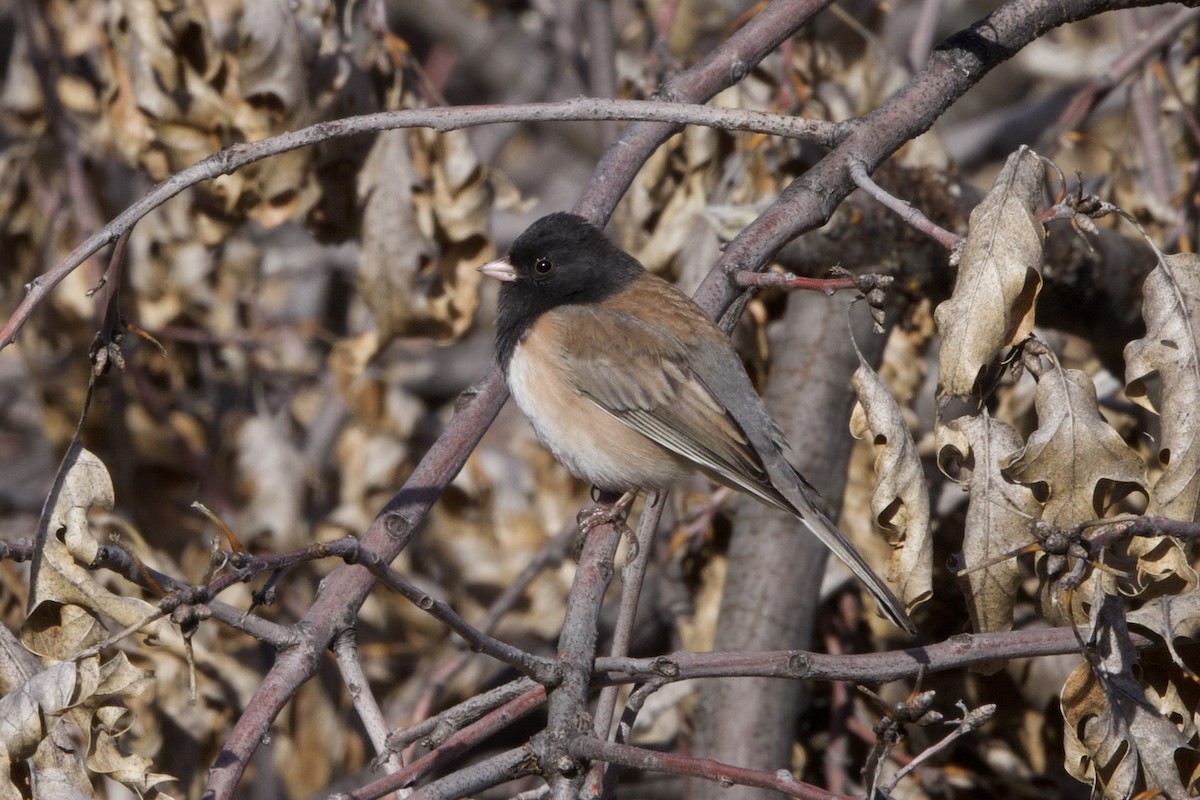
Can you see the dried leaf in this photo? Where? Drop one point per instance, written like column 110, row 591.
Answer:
column 394, row 250
column 1170, row 350
column 105, row 758
column 900, row 500
column 454, row 209
column 66, row 600
column 1115, row 739
column 998, row 517
column 998, row 277
column 1074, row 452
column 270, row 45
column 27, row 712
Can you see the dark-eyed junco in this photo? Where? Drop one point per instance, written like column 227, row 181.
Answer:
column 630, row 384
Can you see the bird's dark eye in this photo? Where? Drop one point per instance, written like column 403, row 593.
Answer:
column 542, row 266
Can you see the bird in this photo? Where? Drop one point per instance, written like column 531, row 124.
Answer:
column 630, row 385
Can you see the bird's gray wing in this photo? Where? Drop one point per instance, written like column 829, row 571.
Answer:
column 639, row 372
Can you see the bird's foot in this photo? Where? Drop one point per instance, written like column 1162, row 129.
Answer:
column 591, row 518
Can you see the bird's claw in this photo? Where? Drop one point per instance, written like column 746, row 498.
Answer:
column 604, row 514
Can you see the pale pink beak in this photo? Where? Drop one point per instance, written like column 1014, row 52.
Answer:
column 500, row 269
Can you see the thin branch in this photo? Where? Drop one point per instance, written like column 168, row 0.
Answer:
column 971, row 721
column 437, row 729
column 959, row 651
column 543, row 670
column 454, row 747
column 720, row 69
column 632, row 576
column 1147, row 113
column 349, row 663
column 911, row 215
column 567, row 709
column 921, row 38
column 347, row 588
column 707, row 768
column 552, row 552
column 236, row 156
column 955, row 66
column 1098, row 88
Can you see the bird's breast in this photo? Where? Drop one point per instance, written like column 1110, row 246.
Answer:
column 591, row 443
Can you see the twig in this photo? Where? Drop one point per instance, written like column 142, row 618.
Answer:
column 601, row 60
column 1147, row 112
column 921, row 38
column 543, row 670
column 955, row 66
column 455, row 746
column 346, row 654
column 720, row 69
column 906, row 211
column 972, row 720
column 506, row 766
column 707, row 768
column 552, row 552
column 347, row 588
column 958, row 651
column 236, row 156
column 788, row 280
column 632, row 576
column 567, row 715
column 1086, row 98
column 437, row 729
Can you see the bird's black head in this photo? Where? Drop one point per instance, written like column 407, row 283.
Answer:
column 561, row 259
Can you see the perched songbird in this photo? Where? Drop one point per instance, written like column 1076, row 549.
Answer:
column 630, row 384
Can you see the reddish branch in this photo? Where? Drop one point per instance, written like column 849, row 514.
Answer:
column 707, row 768
column 454, row 746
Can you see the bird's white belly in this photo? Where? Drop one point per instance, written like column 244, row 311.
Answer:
column 591, row 443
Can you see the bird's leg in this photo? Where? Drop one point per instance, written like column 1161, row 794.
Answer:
column 603, row 514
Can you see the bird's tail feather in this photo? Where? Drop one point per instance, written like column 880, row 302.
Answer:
column 790, row 492
column 836, row 541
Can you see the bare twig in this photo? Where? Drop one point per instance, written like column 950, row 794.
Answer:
column 437, row 729
column 719, row 70
column 552, row 552
column 236, row 156
column 540, row 669
column 970, row 721
column 349, row 662
column 907, row 211
column 707, row 768
column 632, row 575
column 923, row 32
column 956, row 652
column 567, row 716
column 455, row 746
column 954, row 67
column 506, row 766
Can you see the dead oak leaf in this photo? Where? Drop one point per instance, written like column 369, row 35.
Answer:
column 970, row 451
column 1170, row 351
column 67, row 604
column 1115, row 738
column 900, row 499
column 998, row 277
column 1074, row 453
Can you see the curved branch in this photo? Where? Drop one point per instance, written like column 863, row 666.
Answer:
column 236, row 156
column 955, row 66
